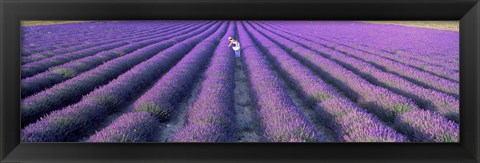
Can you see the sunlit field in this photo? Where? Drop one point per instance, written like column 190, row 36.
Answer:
column 294, row 81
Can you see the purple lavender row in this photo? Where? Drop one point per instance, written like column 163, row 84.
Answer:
column 129, row 127
column 83, row 117
column 449, row 85
column 338, row 31
column 38, row 34
column 25, row 51
column 87, row 44
column 66, row 39
column 426, row 126
column 68, row 70
column 39, row 57
column 281, row 120
column 376, row 99
column 388, row 106
column 449, row 62
column 434, row 63
column 419, row 77
column 33, row 68
column 412, row 74
column 89, row 30
column 434, row 69
column 427, row 43
column 162, row 99
column 72, row 90
column 428, row 98
column 109, row 38
column 164, row 96
column 445, row 72
column 341, row 115
column 169, row 89
column 210, row 118
column 76, row 35
column 433, row 43
column 33, row 36
column 353, row 124
column 442, row 69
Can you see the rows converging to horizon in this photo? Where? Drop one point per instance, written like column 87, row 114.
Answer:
column 295, row 81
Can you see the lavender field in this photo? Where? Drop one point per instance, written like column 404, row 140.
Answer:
column 295, row 81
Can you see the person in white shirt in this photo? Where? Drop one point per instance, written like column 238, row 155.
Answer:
column 235, row 47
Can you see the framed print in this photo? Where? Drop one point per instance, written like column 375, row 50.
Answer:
column 239, row 81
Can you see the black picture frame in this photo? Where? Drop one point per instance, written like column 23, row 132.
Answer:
column 12, row 11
